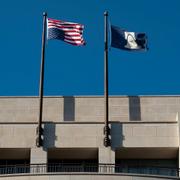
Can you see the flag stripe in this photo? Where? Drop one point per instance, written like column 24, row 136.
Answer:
column 69, row 32
column 63, row 22
column 65, row 27
column 75, row 38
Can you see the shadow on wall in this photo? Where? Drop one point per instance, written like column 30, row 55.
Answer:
column 134, row 108
column 50, row 127
column 49, row 135
column 116, row 135
column 69, row 108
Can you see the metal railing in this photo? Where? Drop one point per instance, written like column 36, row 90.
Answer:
column 86, row 168
column 14, row 169
column 149, row 170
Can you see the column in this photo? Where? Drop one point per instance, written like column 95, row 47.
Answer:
column 38, row 160
column 106, row 160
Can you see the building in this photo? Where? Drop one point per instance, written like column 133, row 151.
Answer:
column 144, row 138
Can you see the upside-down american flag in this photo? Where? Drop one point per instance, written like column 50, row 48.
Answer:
column 69, row 32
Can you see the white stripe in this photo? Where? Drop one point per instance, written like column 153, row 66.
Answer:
column 66, row 29
column 72, row 33
column 73, row 26
column 77, row 42
column 70, row 23
column 63, row 22
column 73, row 37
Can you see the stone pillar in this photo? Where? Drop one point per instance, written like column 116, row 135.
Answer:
column 106, row 160
column 38, row 160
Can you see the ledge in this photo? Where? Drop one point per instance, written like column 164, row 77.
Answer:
column 91, row 122
column 92, row 96
column 91, row 174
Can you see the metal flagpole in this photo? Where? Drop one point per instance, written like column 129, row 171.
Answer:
column 39, row 140
column 106, row 90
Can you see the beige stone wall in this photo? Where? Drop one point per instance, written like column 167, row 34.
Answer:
column 18, row 109
column 145, row 135
column 90, row 109
column 123, row 135
column 78, row 122
column 17, row 135
column 90, row 135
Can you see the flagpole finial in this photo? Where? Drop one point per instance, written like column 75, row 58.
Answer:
column 106, row 13
column 44, row 13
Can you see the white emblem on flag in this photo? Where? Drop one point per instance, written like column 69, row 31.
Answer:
column 131, row 40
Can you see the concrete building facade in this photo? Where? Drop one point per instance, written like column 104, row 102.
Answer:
column 144, row 138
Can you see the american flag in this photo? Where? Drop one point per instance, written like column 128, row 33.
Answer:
column 69, row 32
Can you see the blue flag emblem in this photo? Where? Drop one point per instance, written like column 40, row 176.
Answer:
column 123, row 39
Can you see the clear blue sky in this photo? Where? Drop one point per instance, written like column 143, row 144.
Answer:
column 71, row 70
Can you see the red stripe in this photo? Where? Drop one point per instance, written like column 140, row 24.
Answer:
column 70, row 28
column 63, row 22
column 73, row 31
column 69, row 38
column 75, row 35
column 58, row 25
column 67, row 32
column 54, row 20
column 66, row 29
column 73, row 40
column 70, row 31
column 75, row 44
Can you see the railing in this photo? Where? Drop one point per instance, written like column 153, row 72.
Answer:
column 86, row 168
column 149, row 170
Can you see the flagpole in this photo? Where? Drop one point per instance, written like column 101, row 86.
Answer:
column 106, row 89
column 39, row 140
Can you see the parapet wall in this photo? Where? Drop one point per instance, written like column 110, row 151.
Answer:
column 90, row 109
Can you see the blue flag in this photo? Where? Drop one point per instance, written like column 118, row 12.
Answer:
column 125, row 40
